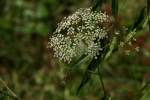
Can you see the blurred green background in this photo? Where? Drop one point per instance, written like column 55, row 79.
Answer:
column 30, row 71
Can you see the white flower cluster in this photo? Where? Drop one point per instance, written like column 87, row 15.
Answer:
column 79, row 33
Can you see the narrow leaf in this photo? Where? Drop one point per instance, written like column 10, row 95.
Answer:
column 111, row 48
column 86, row 77
column 81, row 60
column 115, row 8
column 91, row 68
column 148, row 12
column 97, row 4
column 146, row 93
column 140, row 19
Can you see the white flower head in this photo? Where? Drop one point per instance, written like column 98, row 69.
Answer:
column 79, row 33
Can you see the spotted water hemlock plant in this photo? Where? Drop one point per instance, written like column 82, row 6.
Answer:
column 80, row 33
column 93, row 33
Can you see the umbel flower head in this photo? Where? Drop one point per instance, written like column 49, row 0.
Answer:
column 79, row 33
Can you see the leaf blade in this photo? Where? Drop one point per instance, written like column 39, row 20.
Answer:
column 97, row 4
column 139, row 19
column 148, row 13
column 115, row 8
column 87, row 75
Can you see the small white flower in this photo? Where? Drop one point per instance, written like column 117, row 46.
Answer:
column 137, row 49
column 117, row 33
column 79, row 33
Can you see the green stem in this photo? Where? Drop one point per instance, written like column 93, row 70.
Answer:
column 12, row 94
column 101, row 81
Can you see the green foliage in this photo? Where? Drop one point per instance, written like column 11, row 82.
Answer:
column 146, row 92
column 97, row 4
column 148, row 12
column 29, row 72
column 111, row 48
column 115, row 7
column 107, row 52
column 139, row 20
column 91, row 68
column 24, row 27
column 6, row 92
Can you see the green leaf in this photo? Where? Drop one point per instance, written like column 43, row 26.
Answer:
column 111, row 48
column 97, row 4
column 115, row 8
column 92, row 67
column 148, row 12
column 146, row 93
column 86, row 77
column 130, row 36
column 41, row 11
column 81, row 60
column 139, row 20
column 105, row 96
